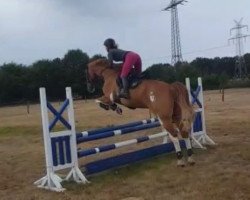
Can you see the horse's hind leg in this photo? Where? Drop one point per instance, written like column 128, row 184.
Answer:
column 187, row 140
column 186, row 137
column 173, row 135
column 190, row 159
column 165, row 138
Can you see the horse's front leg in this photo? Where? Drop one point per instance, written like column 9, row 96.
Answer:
column 106, row 103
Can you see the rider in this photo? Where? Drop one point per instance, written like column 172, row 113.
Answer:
column 130, row 60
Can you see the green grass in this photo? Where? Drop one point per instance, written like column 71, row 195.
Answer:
column 19, row 131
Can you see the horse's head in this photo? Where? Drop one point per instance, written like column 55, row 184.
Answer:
column 96, row 67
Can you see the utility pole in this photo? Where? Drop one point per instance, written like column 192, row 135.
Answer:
column 240, row 65
column 175, row 31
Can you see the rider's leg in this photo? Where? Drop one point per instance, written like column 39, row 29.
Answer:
column 138, row 65
column 131, row 59
column 126, row 68
column 124, row 93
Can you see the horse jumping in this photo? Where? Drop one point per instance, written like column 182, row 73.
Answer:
column 169, row 102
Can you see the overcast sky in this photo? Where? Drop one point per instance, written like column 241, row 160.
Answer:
column 45, row 29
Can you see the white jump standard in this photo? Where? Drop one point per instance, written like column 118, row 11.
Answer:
column 198, row 133
column 55, row 140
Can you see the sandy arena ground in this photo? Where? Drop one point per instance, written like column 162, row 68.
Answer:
column 221, row 172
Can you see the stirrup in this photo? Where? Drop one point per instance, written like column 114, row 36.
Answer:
column 124, row 94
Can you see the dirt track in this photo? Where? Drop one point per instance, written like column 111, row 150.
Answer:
column 221, row 172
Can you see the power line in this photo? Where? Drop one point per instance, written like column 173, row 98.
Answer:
column 190, row 52
column 208, row 49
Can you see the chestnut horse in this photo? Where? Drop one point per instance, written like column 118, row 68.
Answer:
column 169, row 102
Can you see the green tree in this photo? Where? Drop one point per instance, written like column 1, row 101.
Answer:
column 162, row 72
column 75, row 65
column 13, row 81
column 48, row 74
column 185, row 70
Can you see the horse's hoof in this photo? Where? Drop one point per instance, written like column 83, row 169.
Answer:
column 181, row 163
column 118, row 111
column 113, row 107
column 190, row 160
column 104, row 106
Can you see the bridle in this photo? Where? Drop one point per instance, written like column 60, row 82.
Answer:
column 90, row 86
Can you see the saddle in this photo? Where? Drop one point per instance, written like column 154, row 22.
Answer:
column 133, row 78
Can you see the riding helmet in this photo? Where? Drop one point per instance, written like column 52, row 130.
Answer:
column 110, row 43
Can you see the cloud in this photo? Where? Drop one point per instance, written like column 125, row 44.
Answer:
column 36, row 29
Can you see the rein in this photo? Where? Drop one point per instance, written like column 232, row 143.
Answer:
column 90, row 87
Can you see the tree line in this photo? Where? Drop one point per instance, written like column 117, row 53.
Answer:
column 20, row 83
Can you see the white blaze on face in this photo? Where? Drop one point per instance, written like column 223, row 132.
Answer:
column 152, row 97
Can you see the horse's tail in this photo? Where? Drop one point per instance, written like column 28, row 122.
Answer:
column 182, row 99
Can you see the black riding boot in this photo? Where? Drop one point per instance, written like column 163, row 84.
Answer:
column 124, row 93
